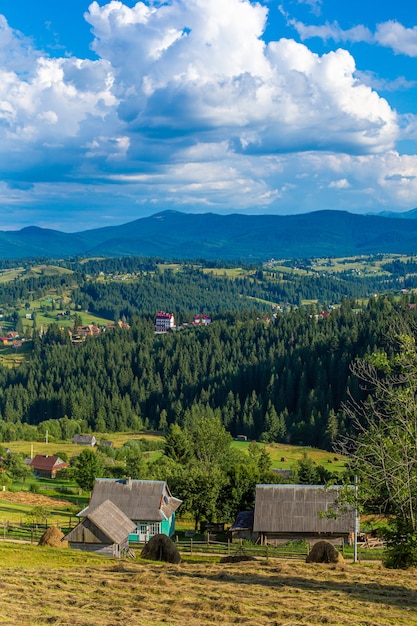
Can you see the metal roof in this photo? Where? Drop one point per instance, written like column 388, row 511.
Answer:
column 298, row 509
column 140, row 500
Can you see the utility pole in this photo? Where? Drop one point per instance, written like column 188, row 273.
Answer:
column 355, row 521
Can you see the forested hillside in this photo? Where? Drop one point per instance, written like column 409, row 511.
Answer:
column 279, row 381
column 185, row 236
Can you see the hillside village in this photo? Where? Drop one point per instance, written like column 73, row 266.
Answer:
column 269, row 374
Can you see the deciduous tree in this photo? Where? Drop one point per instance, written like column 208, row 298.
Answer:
column 384, row 450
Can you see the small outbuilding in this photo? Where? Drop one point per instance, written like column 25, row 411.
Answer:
column 242, row 527
column 45, row 466
column 104, row 530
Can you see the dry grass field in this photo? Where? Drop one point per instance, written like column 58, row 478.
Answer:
column 41, row 586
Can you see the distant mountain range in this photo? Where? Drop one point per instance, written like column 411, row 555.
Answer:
column 176, row 235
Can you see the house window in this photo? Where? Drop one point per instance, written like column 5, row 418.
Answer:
column 154, row 529
column 148, row 530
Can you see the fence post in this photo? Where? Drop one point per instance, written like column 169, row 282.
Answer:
column 191, row 545
column 228, row 545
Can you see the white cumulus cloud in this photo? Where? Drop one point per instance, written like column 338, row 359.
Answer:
column 394, row 35
column 188, row 105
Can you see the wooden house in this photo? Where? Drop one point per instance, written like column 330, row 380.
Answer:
column 84, row 440
column 148, row 503
column 106, row 443
column 104, row 530
column 45, row 466
column 289, row 512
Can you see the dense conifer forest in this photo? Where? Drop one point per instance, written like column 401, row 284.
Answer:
column 280, row 378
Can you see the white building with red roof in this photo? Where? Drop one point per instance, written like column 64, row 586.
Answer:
column 164, row 322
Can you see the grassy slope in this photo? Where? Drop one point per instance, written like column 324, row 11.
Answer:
column 40, row 586
column 278, row 451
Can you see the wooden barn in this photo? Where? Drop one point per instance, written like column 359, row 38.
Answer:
column 84, row 440
column 104, row 530
column 148, row 503
column 290, row 512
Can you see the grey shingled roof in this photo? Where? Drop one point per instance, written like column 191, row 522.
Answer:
column 140, row 500
column 110, row 520
column 84, row 439
column 297, row 508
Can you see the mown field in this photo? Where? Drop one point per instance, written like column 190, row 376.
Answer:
column 277, row 451
column 42, row 586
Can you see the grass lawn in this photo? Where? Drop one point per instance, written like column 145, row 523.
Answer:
column 292, row 454
column 41, row 586
column 10, row 356
column 229, row 272
column 8, row 275
column 57, row 513
column 54, row 447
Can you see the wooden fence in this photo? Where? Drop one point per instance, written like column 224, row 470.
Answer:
column 296, row 550
column 19, row 531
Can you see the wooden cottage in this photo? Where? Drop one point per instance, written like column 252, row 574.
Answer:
column 290, row 512
column 45, row 466
column 84, row 440
column 104, row 530
column 148, row 503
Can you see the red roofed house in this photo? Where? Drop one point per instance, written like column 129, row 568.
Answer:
column 202, row 319
column 46, row 466
column 164, row 322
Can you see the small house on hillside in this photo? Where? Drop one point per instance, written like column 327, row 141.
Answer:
column 84, row 440
column 45, row 466
column 104, row 530
column 289, row 512
column 148, row 503
column 106, row 443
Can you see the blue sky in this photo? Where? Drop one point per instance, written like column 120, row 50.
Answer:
column 114, row 111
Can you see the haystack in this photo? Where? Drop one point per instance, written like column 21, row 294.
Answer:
column 324, row 552
column 52, row 538
column 237, row 558
column 161, row 548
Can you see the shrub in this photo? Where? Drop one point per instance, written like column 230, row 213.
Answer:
column 401, row 550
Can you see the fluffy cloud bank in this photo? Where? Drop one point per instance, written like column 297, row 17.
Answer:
column 187, row 104
column 197, row 67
